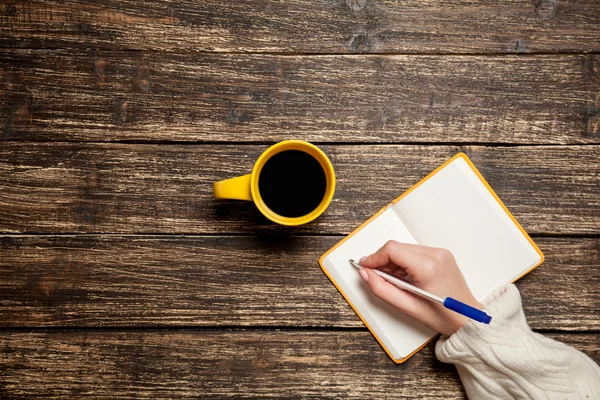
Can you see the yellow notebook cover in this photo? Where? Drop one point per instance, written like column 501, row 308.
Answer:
column 397, row 200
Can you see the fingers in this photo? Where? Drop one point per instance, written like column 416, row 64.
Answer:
column 409, row 257
column 400, row 299
column 389, row 268
column 393, row 269
column 399, row 273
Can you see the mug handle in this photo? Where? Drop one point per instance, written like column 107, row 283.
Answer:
column 237, row 188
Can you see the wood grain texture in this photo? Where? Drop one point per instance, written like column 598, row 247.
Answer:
column 267, row 281
column 107, row 96
column 132, row 313
column 301, row 26
column 225, row 364
column 136, row 188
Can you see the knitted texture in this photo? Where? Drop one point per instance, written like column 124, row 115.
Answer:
column 507, row 360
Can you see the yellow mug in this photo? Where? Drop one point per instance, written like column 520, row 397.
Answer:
column 298, row 178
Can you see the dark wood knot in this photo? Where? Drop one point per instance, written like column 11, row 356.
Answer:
column 545, row 9
column 100, row 68
column 356, row 5
column 10, row 10
column 124, row 112
column 238, row 116
column 594, row 66
column 361, row 43
column 593, row 125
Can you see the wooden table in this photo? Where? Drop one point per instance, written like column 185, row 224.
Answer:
column 120, row 275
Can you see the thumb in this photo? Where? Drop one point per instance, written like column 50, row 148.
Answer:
column 402, row 300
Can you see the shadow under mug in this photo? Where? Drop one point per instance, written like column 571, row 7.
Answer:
column 246, row 187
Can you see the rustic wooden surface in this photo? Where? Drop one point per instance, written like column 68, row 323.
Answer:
column 142, row 188
column 109, row 280
column 224, row 364
column 304, row 26
column 126, row 96
column 120, row 276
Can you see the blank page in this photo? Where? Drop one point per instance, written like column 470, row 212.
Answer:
column 453, row 209
column 399, row 333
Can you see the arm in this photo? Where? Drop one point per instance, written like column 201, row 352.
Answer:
column 506, row 359
column 502, row 360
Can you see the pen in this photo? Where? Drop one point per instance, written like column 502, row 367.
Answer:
column 448, row 302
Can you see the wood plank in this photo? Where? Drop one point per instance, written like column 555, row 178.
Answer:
column 137, row 188
column 301, row 26
column 225, row 364
column 108, row 96
column 272, row 281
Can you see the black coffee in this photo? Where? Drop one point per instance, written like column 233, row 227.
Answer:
column 292, row 183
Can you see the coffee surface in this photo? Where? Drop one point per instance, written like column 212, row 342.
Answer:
column 292, row 183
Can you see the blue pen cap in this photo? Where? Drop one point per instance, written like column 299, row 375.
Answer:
column 467, row 310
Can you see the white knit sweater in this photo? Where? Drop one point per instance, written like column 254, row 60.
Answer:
column 506, row 360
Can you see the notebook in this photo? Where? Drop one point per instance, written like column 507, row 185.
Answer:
column 453, row 208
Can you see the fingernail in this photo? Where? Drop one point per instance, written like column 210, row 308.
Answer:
column 363, row 274
column 362, row 259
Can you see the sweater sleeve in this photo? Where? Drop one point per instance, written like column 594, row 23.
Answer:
column 506, row 359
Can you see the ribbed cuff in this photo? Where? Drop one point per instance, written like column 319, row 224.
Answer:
column 505, row 359
column 505, row 307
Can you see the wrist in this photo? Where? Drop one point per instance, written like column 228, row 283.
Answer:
column 454, row 320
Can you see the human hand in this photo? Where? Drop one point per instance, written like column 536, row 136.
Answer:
column 431, row 269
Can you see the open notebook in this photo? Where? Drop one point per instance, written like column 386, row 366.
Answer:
column 452, row 208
